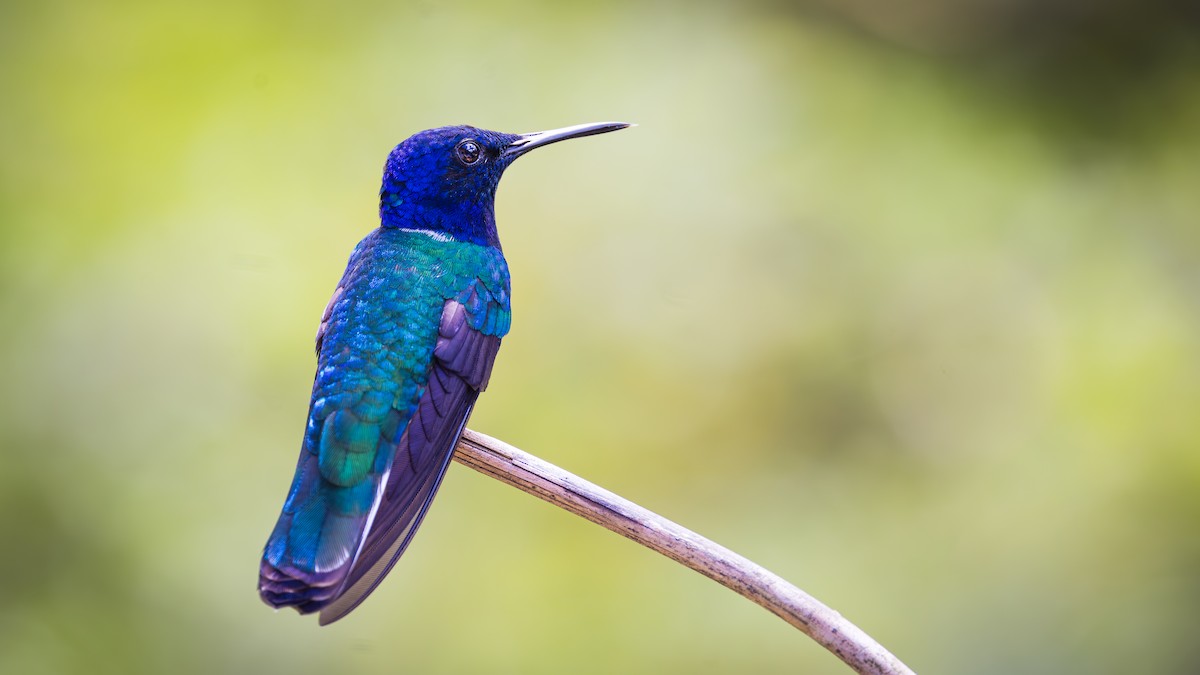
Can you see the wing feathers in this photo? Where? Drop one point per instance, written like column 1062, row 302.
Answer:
column 462, row 361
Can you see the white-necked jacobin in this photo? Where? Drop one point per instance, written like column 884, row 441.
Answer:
column 404, row 348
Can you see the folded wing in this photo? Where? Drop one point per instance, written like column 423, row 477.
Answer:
column 461, row 367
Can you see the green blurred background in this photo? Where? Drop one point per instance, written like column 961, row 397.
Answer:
column 902, row 302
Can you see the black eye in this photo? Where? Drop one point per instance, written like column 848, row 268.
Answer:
column 469, row 152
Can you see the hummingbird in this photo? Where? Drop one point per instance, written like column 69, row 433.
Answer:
column 404, row 348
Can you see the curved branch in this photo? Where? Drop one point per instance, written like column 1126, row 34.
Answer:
column 565, row 490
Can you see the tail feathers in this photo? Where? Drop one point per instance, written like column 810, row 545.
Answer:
column 314, row 541
column 287, row 586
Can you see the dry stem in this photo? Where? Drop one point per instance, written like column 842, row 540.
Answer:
column 565, row 490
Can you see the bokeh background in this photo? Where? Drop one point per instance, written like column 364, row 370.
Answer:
column 901, row 300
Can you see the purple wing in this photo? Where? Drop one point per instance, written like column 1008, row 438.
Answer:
column 461, row 367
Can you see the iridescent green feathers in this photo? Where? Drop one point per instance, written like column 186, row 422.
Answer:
column 376, row 351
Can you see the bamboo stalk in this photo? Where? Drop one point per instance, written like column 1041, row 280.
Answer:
column 567, row 491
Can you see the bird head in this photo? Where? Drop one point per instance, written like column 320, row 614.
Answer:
column 443, row 181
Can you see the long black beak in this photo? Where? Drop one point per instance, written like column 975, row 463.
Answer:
column 537, row 139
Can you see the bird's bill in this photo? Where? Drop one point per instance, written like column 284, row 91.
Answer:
column 537, row 139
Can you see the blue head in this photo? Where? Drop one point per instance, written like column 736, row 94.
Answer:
column 444, row 180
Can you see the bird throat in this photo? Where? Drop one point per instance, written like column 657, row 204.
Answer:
column 466, row 220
